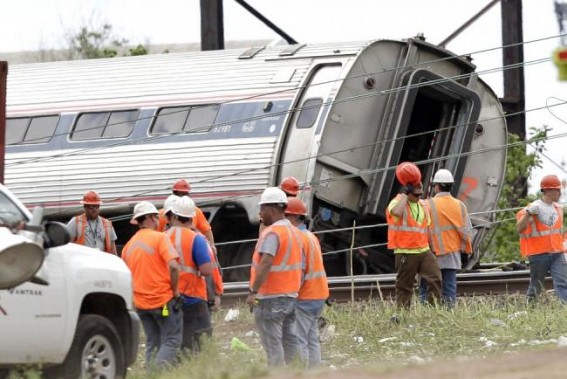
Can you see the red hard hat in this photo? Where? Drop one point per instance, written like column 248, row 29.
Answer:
column 550, row 182
column 408, row 173
column 290, row 186
column 91, row 198
column 181, row 185
column 296, row 206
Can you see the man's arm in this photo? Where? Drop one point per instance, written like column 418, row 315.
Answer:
column 398, row 209
column 522, row 221
column 262, row 271
column 174, row 274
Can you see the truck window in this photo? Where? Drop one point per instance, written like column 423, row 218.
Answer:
column 10, row 214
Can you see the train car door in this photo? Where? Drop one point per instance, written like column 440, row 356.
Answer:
column 304, row 130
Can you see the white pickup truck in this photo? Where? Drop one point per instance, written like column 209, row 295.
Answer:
column 64, row 308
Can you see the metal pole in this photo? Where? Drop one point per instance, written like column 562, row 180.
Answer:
column 268, row 23
column 3, row 80
column 468, row 23
column 212, row 25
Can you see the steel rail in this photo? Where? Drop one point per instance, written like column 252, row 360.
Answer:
column 490, row 282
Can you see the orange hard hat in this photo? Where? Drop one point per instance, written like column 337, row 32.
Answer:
column 181, row 185
column 550, row 182
column 290, row 186
column 91, row 198
column 408, row 173
column 296, row 206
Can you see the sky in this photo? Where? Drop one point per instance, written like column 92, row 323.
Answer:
column 44, row 24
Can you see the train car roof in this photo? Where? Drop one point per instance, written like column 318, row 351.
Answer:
column 161, row 78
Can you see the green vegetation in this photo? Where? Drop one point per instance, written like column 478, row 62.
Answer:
column 502, row 244
column 364, row 336
column 99, row 42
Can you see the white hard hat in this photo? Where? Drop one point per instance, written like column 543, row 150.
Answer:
column 168, row 203
column 273, row 195
column 141, row 209
column 443, row 176
column 184, row 207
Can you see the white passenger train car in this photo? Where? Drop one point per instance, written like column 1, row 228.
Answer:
column 339, row 117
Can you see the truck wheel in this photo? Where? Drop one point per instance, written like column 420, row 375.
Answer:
column 96, row 352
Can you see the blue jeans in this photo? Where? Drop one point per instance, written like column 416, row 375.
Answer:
column 163, row 335
column 448, row 284
column 540, row 265
column 306, row 316
column 275, row 320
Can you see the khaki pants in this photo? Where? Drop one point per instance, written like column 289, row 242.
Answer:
column 407, row 267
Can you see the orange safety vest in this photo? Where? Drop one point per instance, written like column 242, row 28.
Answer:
column 191, row 283
column 284, row 277
column 448, row 229
column 147, row 255
column 162, row 221
column 217, row 273
column 315, row 285
column 406, row 233
column 81, row 221
column 539, row 238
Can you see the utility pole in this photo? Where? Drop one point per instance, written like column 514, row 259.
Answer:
column 3, row 80
column 513, row 102
column 212, row 25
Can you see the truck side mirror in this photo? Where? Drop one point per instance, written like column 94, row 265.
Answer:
column 56, row 234
column 20, row 259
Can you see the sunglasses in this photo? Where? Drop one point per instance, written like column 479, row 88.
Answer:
column 92, row 206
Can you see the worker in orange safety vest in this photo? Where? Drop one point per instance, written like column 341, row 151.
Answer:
column 540, row 225
column 450, row 235
column 153, row 262
column 314, row 289
column 275, row 279
column 182, row 188
column 195, row 263
column 408, row 221
column 91, row 229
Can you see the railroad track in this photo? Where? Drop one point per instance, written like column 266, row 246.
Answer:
column 363, row 287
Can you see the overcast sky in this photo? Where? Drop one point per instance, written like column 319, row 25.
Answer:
column 43, row 24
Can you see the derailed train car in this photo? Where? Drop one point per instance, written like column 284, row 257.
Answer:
column 339, row 117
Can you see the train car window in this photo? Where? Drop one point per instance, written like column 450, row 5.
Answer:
column 16, row 130
column 170, row 120
column 120, row 124
column 90, row 126
column 201, row 118
column 41, row 129
column 38, row 129
column 309, row 112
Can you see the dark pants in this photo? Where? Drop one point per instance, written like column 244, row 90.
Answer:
column 449, row 280
column 407, row 267
column 163, row 335
column 196, row 322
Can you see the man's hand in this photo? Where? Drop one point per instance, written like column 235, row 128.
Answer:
column 532, row 209
column 217, row 304
column 407, row 189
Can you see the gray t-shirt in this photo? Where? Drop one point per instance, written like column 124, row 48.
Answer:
column 95, row 233
column 546, row 212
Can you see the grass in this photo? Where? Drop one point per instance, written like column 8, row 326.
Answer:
column 365, row 336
